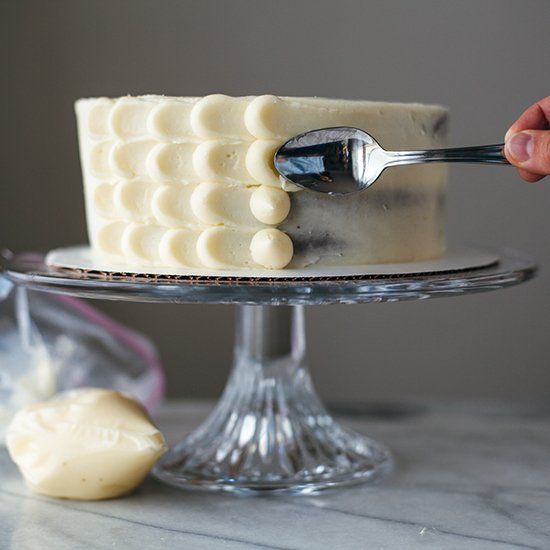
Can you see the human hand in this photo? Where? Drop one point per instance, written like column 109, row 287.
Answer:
column 527, row 142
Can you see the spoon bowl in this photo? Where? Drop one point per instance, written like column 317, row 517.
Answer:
column 330, row 160
column 343, row 160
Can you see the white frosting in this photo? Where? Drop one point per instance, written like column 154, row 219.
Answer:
column 222, row 161
column 171, row 205
column 271, row 248
column 171, row 120
column 178, row 248
column 172, row 162
column 97, row 121
column 219, row 204
column 270, row 205
column 142, row 242
column 86, row 444
column 221, row 247
column 103, row 201
column 197, row 173
column 128, row 118
column 99, row 158
column 129, row 159
column 109, row 238
column 221, row 116
column 259, row 162
column 132, row 199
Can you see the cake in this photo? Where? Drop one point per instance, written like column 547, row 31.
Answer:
column 189, row 182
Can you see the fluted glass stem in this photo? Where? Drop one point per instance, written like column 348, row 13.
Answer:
column 269, row 431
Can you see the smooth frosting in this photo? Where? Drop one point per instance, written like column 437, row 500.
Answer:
column 86, row 444
column 190, row 182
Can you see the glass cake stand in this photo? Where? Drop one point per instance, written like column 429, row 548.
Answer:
column 269, row 432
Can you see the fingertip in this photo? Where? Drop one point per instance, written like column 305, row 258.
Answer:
column 519, row 148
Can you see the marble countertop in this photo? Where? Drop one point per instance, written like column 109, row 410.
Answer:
column 472, row 476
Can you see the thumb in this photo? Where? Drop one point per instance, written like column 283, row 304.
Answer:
column 530, row 151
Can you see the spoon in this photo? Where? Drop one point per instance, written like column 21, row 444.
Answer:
column 339, row 161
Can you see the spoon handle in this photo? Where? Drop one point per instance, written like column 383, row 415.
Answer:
column 487, row 154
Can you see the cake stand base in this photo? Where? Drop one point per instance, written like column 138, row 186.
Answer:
column 269, row 431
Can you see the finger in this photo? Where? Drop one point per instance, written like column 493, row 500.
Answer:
column 529, row 177
column 536, row 117
column 530, row 150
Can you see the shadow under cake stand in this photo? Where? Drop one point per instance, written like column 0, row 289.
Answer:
column 270, row 432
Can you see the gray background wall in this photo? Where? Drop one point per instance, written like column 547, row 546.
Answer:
column 486, row 59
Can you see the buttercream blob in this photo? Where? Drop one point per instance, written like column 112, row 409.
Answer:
column 270, row 205
column 271, row 248
column 87, row 444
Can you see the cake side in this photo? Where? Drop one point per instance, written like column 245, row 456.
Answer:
column 190, row 182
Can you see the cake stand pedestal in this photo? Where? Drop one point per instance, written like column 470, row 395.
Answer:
column 270, row 432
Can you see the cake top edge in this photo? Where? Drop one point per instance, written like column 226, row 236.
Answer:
column 320, row 101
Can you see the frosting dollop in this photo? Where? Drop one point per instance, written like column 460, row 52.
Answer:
column 86, row 444
column 270, row 205
column 271, row 248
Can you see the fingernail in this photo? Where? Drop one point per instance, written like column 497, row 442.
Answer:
column 520, row 146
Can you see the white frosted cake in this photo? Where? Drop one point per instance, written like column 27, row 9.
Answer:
column 189, row 182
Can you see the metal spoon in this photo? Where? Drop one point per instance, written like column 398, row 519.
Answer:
column 338, row 161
